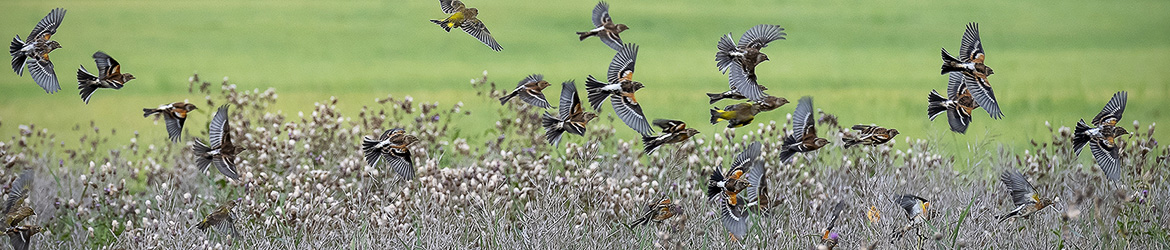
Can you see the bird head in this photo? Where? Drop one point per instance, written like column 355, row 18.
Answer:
column 589, row 116
column 1118, row 131
column 54, row 45
column 189, row 107
column 893, row 132
column 127, row 77
column 821, row 142
column 761, row 57
column 622, row 27
column 542, row 84
column 691, row 132
column 410, row 140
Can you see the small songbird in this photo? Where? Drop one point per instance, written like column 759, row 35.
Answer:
column 970, row 64
column 109, row 76
column 1024, row 196
column 1101, row 139
column 958, row 104
column 620, row 90
column 393, row 147
column 738, row 189
column 828, row 237
column 466, row 19
column 33, row 52
column 605, row 29
column 221, row 152
column 15, row 210
column 804, row 132
column 175, row 114
column 222, row 219
column 747, row 53
column 869, row 135
column 657, row 212
column 918, row 211
column 736, row 115
column 673, row 131
column 739, row 81
column 529, row 90
column 572, row 116
column 20, row 236
column 730, row 94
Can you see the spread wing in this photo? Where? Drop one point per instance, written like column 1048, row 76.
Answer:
column 670, row 126
column 972, row 48
column 601, row 14
column 1107, row 157
column 48, row 25
column 631, row 113
column 218, row 123
column 570, row 102
column 1022, row 191
column 802, row 120
column 739, row 81
column 756, row 172
column 759, row 36
column 983, row 95
column 43, row 74
column 479, row 31
column 402, row 164
column 450, row 6
column 1112, row 111
column 622, row 65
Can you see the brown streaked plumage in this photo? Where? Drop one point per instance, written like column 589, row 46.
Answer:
column 572, row 116
column 958, row 104
column 620, row 90
column 222, row 219
column 529, row 91
column 604, row 28
column 1102, row 138
column 674, row 131
column 869, row 135
column 393, row 148
column 657, row 212
column 1024, row 196
column 109, row 76
column 738, row 190
column 747, row 52
column 33, row 52
column 468, row 20
column 21, row 236
column 222, row 151
column 804, row 133
column 175, row 115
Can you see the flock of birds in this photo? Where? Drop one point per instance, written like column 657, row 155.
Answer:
column 737, row 191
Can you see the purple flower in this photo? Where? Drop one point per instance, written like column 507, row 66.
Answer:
column 436, row 118
column 531, row 150
column 833, row 235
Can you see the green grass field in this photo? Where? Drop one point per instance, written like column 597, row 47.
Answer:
column 866, row 62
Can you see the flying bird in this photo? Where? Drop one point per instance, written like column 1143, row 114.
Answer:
column 804, row 133
column 175, row 115
column 15, row 208
column 33, row 52
column 970, row 64
column 1102, row 138
column 869, row 135
column 620, row 90
column 222, row 219
column 958, row 104
column 673, row 131
column 657, row 212
column 572, row 116
column 918, row 211
column 828, row 237
column 393, row 148
column 746, row 53
column 109, row 76
column 466, row 19
column 1024, row 196
column 605, row 29
column 221, row 152
column 21, row 236
column 529, row 91
column 738, row 189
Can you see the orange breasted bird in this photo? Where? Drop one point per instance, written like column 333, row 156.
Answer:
column 673, row 131
column 572, row 116
column 620, row 90
column 804, row 132
column 466, row 19
column 1024, row 196
column 657, row 212
column 738, row 189
column 605, row 29
column 1101, row 139
column 958, row 104
column 869, row 135
column 33, row 52
column 109, row 76
column 970, row 63
column 175, row 115
column 529, row 91
column 393, row 148
column 221, row 151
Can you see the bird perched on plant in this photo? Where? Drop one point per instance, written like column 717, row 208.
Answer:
column 175, row 115
column 970, row 63
column 572, row 116
column 869, row 135
column 673, row 131
column 605, row 29
column 828, row 237
column 20, row 236
column 620, row 90
column 804, row 132
column 918, row 211
column 33, row 52
column 221, row 152
column 393, row 148
column 466, row 19
column 1102, row 139
column 747, row 53
column 958, row 104
column 109, row 76
column 15, row 210
column 222, row 219
column 1024, row 196
column 657, row 212
column 738, row 189
column 529, row 91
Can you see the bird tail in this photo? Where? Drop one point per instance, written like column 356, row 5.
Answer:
column 586, row 34
column 850, row 141
column 651, row 144
column 639, row 222
column 504, row 100
column 146, row 112
column 202, row 160
column 85, row 82
column 716, row 115
column 715, row 97
column 936, row 106
column 442, row 23
column 553, row 127
column 1004, row 217
column 1079, row 136
column 370, row 150
column 712, row 189
column 723, row 57
column 17, row 58
column 786, row 153
column 595, row 94
column 950, row 63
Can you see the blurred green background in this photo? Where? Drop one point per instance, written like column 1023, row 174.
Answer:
column 865, row 61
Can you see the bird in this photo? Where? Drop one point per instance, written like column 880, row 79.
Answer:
column 736, row 115
column 33, row 52
column 970, row 63
column 393, row 147
column 873, row 214
column 828, row 237
column 747, row 52
column 605, row 29
column 657, row 212
column 738, row 189
column 175, row 114
column 221, row 152
column 1102, row 138
column 620, row 90
column 15, row 209
column 869, row 135
column 918, row 211
column 730, row 94
column 958, row 104
column 222, row 219
column 572, row 116
column 804, row 133
column 529, row 90
column 109, row 76
column 674, row 131
column 1024, row 196
column 466, row 19
column 20, row 236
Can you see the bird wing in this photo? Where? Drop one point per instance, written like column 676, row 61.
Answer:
column 402, row 164
column 1107, row 157
column 983, row 95
column 1022, row 191
column 670, row 126
column 227, row 167
column 570, row 101
column 43, row 74
column 622, row 65
column 450, row 6
column 601, row 14
column 18, row 191
column 802, row 121
column 955, row 84
column 734, row 219
column 909, row 203
column 218, row 123
column 739, row 81
column 476, row 28
column 755, row 174
column 972, row 48
column 631, row 113
column 534, row 98
column 759, row 36
column 107, row 66
column 174, row 126
column 48, row 25
column 1112, row 111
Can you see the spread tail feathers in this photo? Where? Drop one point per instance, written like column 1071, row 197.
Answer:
column 950, row 63
column 17, row 58
column 586, row 34
column 202, row 160
column 1079, row 137
column 936, row 106
column 85, row 82
column 715, row 97
column 595, row 93
column 651, row 143
column 554, row 128
column 442, row 23
column 715, row 116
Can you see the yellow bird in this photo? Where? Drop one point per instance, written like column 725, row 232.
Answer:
column 465, row 18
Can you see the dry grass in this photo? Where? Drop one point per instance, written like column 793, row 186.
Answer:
column 304, row 185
